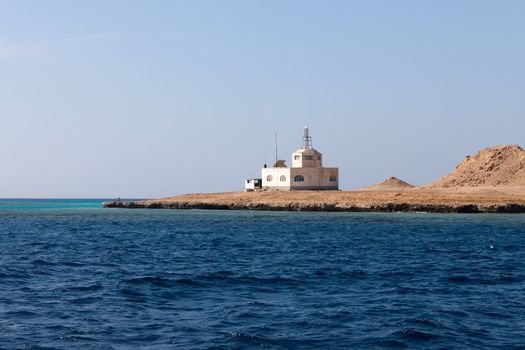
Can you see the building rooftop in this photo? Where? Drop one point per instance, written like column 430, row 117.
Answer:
column 308, row 151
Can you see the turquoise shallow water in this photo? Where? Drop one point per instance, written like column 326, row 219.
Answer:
column 76, row 275
column 29, row 203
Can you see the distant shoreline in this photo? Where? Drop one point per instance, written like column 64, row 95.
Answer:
column 411, row 200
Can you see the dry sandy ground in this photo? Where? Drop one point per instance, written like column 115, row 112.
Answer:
column 409, row 200
column 360, row 198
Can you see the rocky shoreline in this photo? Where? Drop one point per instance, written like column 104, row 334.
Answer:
column 316, row 206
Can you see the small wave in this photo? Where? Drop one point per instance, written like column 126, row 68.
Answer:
column 38, row 347
column 161, row 282
column 321, row 273
column 485, row 280
column 458, row 313
column 187, row 282
column 510, row 279
column 20, row 313
column 340, row 315
column 224, row 276
column 385, row 344
column 171, row 295
column 45, row 245
column 146, row 337
column 77, row 338
column 84, row 300
column 414, row 334
column 251, row 339
column 511, row 248
column 89, row 319
column 459, row 279
column 41, row 262
column 216, row 276
column 133, row 295
column 397, row 273
column 358, row 274
column 428, row 322
column 355, row 274
column 497, row 314
column 150, row 280
column 86, row 288
column 15, row 275
column 237, row 334
column 267, row 280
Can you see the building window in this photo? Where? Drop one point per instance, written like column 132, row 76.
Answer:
column 298, row 178
column 332, row 178
column 283, row 178
column 318, row 157
column 296, row 157
column 269, row 178
column 308, row 157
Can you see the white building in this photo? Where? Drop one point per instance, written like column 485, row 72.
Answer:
column 306, row 173
column 252, row 184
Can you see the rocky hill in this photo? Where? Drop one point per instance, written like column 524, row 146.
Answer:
column 493, row 166
column 390, row 184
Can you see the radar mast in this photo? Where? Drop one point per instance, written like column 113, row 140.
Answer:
column 307, row 139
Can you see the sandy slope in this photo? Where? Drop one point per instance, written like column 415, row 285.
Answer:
column 500, row 166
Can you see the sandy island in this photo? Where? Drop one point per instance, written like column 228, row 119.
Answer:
column 491, row 181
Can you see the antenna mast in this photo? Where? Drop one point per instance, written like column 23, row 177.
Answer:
column 307, row 139
column 275, row 132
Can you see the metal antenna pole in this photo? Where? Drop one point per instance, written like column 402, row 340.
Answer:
column 307, row 139
column 275, row 132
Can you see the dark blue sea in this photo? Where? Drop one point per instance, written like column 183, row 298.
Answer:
column 76, row 276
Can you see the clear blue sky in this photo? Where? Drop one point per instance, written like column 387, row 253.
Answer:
column 155, row 98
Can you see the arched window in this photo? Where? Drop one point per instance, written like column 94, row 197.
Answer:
column 332, row 178
column 283, row 178
column 269, row 178
column 299, row 178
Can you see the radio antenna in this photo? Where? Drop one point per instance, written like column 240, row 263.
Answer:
column 307, row 139
column 275, row 133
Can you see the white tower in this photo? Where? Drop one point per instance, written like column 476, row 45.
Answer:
column 307, row 156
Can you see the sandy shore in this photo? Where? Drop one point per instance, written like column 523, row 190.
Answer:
column 464, row 200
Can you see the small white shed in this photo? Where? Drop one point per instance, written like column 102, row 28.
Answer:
column 252, row 184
